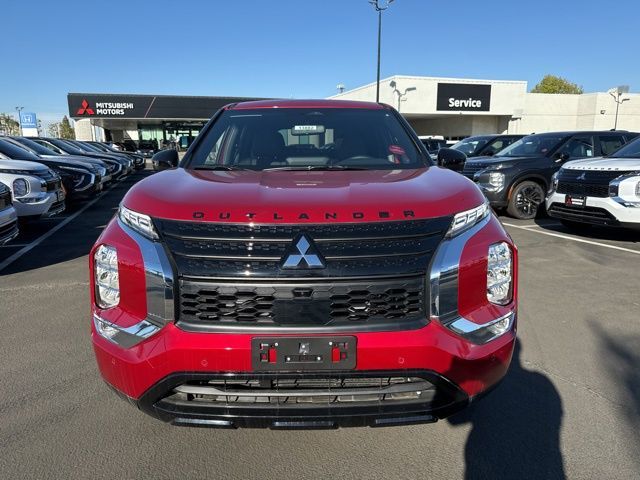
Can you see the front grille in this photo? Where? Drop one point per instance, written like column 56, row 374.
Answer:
column 306, row 391
column 270, row 304
column 594, row 215
column 8, row 229
column 590, row 183
column 470, row 168
column 53, row 185
column 205, row 250
column 5, row 199
column 232, row 275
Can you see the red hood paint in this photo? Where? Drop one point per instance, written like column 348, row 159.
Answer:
column 303, row 197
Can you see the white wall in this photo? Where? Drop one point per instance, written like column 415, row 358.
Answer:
column 513, row 109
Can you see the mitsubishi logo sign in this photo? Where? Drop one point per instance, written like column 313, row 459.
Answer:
column 582, row 177
column 85, row 109
column 302, row 254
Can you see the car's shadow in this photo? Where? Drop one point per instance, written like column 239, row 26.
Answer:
column 515, row 432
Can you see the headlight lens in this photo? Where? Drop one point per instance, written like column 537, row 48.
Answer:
column 106, row 276
column 499, row 274
column 139, row 222
column 496, row 179
column 465, row 220
column 20, row 187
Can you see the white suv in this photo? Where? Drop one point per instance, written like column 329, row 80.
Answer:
column 35, row 189
column 8, row 216
column 599, row 191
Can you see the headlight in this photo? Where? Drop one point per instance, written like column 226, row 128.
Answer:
column 77, row 174
column 464, row 220
column 499, row 274
column 139, row 222
column 626, row 187
column 20, row 187
column 493, row 181
column 106, row 276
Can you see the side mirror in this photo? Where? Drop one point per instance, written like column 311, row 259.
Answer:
column 490, row 153
column 165, row 159
column 451, row 159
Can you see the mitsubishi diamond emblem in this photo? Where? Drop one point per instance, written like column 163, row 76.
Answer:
column 582, row 177
column 302, row 254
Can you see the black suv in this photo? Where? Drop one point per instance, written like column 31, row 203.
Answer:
column 517, row 177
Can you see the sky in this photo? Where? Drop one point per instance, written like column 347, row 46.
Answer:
column 303, row 48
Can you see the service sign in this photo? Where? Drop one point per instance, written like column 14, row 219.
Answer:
column 463, row 97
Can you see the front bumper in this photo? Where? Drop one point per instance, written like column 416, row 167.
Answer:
column 145, row 355
column 607, row 211
column 8, row 225
column 148, row 372
column 497, row 199
column 43, row 204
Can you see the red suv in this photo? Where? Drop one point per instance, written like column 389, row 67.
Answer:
column 306, row 266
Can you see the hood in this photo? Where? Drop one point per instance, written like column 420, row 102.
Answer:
column 64, row 161
column 496, row 161
column 21, row 165
column 604, row 164
column 303, row 196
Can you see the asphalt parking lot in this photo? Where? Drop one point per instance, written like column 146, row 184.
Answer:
column 569, row 407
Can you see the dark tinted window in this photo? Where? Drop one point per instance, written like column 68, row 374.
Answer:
column 303, row 138
column 630, row 150
column 470, row 145
column 16, row 153
column 496, row 145
column 578, row 147
column 611, row 143
column 539, row 145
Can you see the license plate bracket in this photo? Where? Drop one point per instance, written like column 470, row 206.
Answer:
column 303, row 353
column 575, row 200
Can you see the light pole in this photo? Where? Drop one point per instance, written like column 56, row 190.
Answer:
column 401, row 95
column 380, row 7
column 19, row 109
column 617, row 93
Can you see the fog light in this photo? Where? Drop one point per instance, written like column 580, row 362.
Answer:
column 106, row 277
column 499, row 274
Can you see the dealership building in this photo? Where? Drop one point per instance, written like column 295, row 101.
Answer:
column 451, row 107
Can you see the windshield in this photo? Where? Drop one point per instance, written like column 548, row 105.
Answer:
column 470, row 145
column 16, row 153
column 66, row 147
column 304, row 138
column 533, row 146
column 630, row 150
column 34, row 146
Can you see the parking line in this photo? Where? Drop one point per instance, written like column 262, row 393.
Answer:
column 9, row 260
column 567, row 237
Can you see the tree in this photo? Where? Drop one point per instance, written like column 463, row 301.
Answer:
column 66, row 130
column 553, row 84
column 53, row 129
column 8, row 126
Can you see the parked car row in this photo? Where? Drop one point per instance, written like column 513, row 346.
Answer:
column 518, row 178
column 38, row 176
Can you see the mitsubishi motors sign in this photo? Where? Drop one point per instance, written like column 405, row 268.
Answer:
column 109, row 105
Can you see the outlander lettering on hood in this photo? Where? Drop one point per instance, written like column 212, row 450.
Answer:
column 328, row 216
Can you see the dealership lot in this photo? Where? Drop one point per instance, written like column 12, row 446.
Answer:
column 569, row 406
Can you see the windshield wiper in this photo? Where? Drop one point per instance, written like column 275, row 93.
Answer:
column 218, row 167
column 309, row 168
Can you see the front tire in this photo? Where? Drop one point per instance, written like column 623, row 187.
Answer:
column 525, row 200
